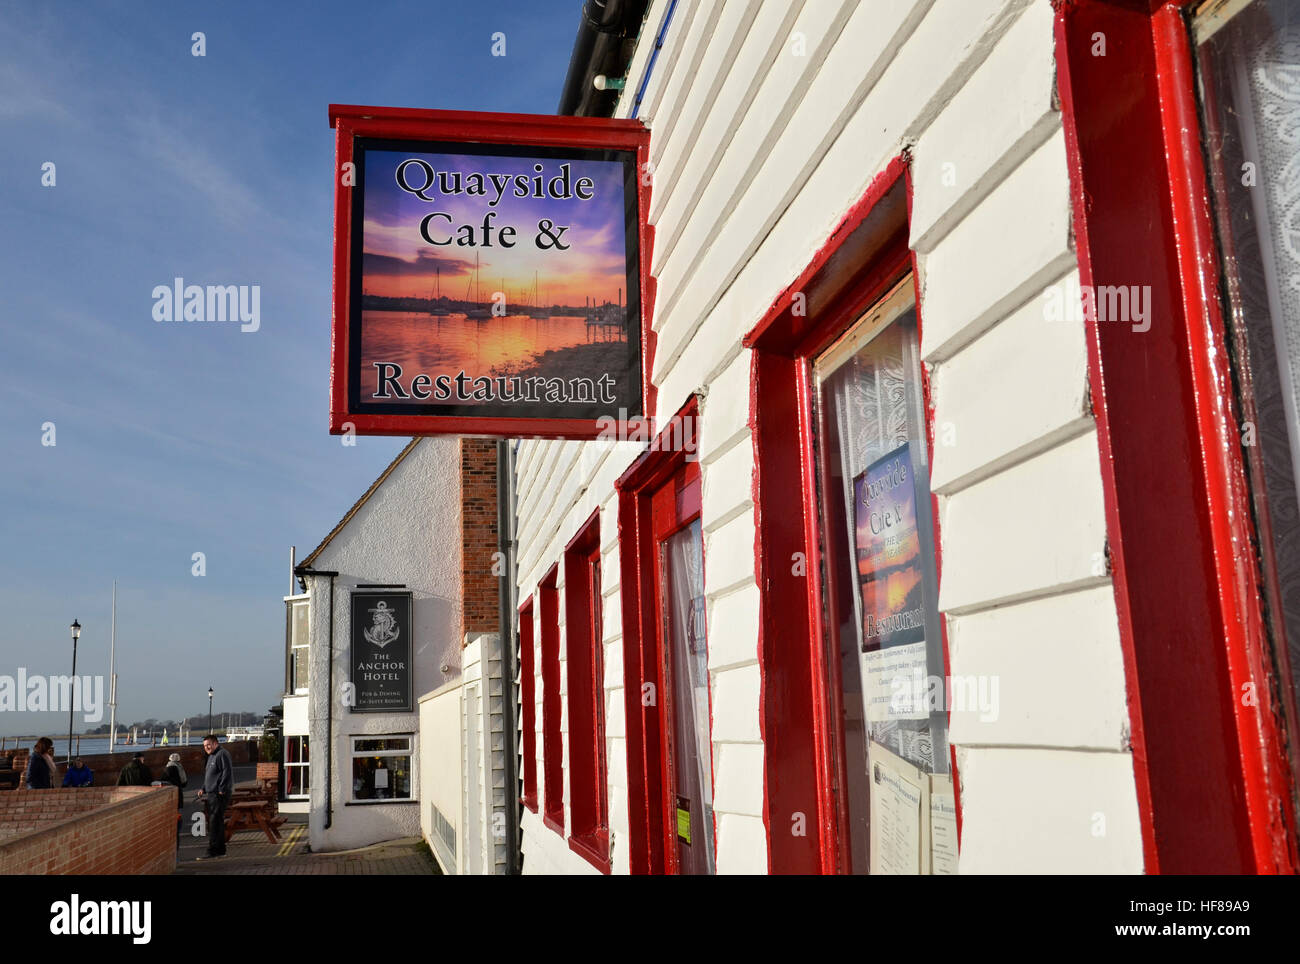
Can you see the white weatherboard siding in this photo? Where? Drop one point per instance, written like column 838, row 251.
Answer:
column 441, row 820
column 763, row 135
column 399, row 536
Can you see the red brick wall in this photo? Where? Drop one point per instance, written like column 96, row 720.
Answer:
column 95, row 830
column 478, row 527
column 106, row 766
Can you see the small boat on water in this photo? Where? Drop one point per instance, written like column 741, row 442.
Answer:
column 437, row 309
column 535, row 309
column 477, row 311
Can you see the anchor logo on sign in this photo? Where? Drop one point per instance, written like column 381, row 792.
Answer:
column 384, row 630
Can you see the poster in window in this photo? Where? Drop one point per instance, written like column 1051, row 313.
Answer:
column 381, row 652
column 888, row 553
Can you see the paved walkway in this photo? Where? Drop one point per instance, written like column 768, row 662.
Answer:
column 250, row 855
column 249, row 852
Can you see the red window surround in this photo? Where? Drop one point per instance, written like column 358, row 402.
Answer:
column 1212, row 774
column 800, row 707
column 552, row 743
column 588, row 789
column 528, row 697
column 652, row 831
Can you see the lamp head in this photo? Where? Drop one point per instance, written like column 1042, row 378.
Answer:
column 76, row 629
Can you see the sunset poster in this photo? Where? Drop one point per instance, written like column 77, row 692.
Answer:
column 888, row 551
column 494, row 280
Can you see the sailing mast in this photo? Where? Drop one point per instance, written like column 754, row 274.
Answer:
column 112, row 679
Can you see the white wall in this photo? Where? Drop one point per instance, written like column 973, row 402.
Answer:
column 440, row 773
column 408, row 532
column 462, row 763
column 768, row 121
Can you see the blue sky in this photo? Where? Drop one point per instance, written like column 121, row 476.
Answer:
column 173, row 439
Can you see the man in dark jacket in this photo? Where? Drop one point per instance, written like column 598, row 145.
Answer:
column 135, row 773
column 218, row 787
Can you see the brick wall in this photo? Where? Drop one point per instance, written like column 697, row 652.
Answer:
column 95, row 830
column 478, row 527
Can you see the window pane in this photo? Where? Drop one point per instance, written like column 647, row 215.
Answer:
column 1250, row 74
column 384, row 743
column 683, row 563
column 882, row 591
column 381, row 778
column 299, row 637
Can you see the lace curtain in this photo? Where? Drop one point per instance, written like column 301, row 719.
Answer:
column 1250, row 69
column 875, row 402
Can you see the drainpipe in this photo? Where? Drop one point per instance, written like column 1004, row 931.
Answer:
column 329, row 697
column 506, row 597
column 606, row 37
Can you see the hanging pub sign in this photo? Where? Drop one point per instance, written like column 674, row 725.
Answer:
column 381, row 652
column 490, row 273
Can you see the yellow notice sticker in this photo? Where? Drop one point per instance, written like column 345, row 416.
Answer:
column 684, row 820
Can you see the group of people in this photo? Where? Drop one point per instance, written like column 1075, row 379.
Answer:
column 43, row 772
column 218, row 782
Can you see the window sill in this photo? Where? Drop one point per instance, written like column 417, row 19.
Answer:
column 375, row 803
column 594, row 849
column 556, row 825
column 529, row 802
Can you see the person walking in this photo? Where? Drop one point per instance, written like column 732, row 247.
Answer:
column 174, row 774
column 135, row 773
column 42, row 771
column 218, row 788
column 78, row 775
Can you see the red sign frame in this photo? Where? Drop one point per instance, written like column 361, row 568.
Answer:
column 539, row 130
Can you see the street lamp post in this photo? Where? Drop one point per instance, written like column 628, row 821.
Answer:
column 209, row 709
column 76, row 634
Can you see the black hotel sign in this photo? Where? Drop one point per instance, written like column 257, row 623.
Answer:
column 381, row 652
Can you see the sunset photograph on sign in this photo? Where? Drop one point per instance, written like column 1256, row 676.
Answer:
column 494, row 281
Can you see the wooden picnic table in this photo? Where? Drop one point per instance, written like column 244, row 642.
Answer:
column 252, row 815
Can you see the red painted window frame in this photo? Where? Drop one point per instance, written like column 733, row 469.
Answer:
column 1215, row 791
column 409, row 123
column 801, row 702
column 651, row 836
column 552, row 740
column 528, row 701
column 585, row 665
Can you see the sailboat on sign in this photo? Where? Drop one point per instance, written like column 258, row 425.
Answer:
column 535, row 309
column 436, row 307
column 477, row 310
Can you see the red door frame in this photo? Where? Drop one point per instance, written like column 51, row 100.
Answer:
column 675, row 504
column 651, row 847
column 588, row 786
column 528, row 702
column 801, row 703
column 1213, row 778
column 552, row 739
